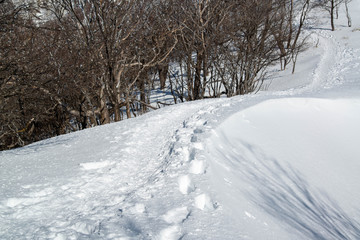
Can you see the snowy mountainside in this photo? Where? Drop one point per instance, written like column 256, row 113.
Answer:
column 279, row 164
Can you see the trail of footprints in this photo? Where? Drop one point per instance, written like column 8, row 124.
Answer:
column 186, row 167
column 187, row 148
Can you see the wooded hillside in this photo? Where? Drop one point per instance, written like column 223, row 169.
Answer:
column 67, row 65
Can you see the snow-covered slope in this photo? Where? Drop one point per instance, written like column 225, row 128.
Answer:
column 280, row 164
column 295, row 159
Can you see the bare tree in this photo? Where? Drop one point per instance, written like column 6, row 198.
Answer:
column 330, row 6
column 347, row 13
column 73, row 64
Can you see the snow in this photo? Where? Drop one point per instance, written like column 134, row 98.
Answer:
column 185, row 185
column 176, row 215
column 203, row 201
column 279, row 164
column 197, row 166
column 276, row 148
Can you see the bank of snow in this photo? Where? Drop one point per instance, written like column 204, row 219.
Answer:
column 295, row 160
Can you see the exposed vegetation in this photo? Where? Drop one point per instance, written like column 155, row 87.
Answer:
column 67, row 65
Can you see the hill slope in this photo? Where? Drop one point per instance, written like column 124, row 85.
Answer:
column 280, row 164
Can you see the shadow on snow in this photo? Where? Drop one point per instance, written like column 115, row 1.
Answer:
column 283, row 193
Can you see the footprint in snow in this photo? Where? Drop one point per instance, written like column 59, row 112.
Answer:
column 186, row 154
column 204, row 202
column 176, row 215
column 198, row 130
column 198, row 145
column 197, row 167
column 194, row 139
column 170, row 233
column 185, row 185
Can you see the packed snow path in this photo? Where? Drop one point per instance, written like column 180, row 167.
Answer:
column 275, row 165
column 108, row 181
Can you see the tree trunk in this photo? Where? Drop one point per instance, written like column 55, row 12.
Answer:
column 105, row 115
column 189, row 78
column 127, row 105
column 290, row 24
column 142, row 95
column 347, row 13
column 205, row 73
column 163, row 71
column 332, row 15
column 197, row 80
column 117, row 112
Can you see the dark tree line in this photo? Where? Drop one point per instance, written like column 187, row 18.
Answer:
column 67, row 65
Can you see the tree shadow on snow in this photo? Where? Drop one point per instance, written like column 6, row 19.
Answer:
column 286, row 195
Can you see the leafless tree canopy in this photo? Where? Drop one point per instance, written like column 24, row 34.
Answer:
column 67, row 65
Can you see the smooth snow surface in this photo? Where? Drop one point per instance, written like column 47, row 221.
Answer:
column 297, row 160
column 280, row 164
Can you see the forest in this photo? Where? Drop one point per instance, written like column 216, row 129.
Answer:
column 68, row 65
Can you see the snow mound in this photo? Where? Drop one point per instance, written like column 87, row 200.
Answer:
column 295, row 159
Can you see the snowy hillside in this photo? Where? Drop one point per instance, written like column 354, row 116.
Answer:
column 280, row 164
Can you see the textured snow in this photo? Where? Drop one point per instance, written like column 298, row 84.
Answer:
column 279, row 164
